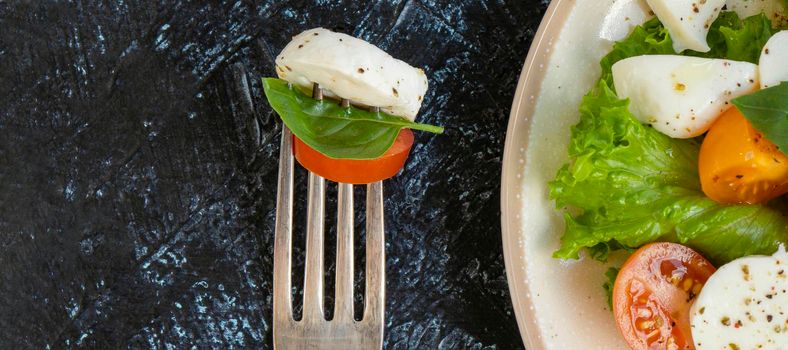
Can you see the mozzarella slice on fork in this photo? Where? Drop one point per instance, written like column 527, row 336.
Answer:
column 353, row 69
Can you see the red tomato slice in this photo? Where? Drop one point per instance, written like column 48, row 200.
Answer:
column 353, row 171
column 653, row 294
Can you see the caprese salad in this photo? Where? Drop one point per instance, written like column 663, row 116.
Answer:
column 362, row 132
column 680, row 157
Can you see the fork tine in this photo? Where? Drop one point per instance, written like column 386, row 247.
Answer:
column 343, row 309
column 313, row 277
column 313, row 331
column 283, row 232
column 376, row 257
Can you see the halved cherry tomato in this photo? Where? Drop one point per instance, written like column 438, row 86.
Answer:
column 738, row 165
column 355, row 171
column 653, row 294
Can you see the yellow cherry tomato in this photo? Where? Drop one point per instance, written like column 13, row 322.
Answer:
column 738, row 165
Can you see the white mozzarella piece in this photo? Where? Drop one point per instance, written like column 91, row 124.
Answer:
column 681, row 96
column 687, row 21
column 774, row 9
column 624, row 15
column 774, row 60
column 744, row 305
column 351, row 68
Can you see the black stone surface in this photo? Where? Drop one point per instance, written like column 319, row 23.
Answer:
column 138, row 161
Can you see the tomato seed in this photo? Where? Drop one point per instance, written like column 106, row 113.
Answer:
column 644, row 313
column 644, row 325
column 687, row 284
column 696, row 288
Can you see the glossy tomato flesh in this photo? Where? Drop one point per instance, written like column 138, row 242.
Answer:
column 653, row 294
column 738, row 165
column 354, row 171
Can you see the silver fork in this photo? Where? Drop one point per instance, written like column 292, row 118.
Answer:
column 313, row 331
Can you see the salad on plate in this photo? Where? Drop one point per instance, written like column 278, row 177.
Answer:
column 680, row 159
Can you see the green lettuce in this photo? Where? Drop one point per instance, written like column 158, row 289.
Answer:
column 611, row 274
column 736, row 39
column 632, row 185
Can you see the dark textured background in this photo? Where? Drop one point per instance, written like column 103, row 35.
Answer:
column 138, row 162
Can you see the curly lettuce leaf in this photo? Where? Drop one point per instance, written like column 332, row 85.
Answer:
column 738, row 39
column 611, row 275
column 635, row 185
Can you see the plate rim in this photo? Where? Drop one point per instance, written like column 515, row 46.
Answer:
column 529, row 84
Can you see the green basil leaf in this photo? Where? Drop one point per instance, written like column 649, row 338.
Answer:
column 767, row 110
column 334, row 131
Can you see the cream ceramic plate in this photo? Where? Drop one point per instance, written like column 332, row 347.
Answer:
column 559, row 305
